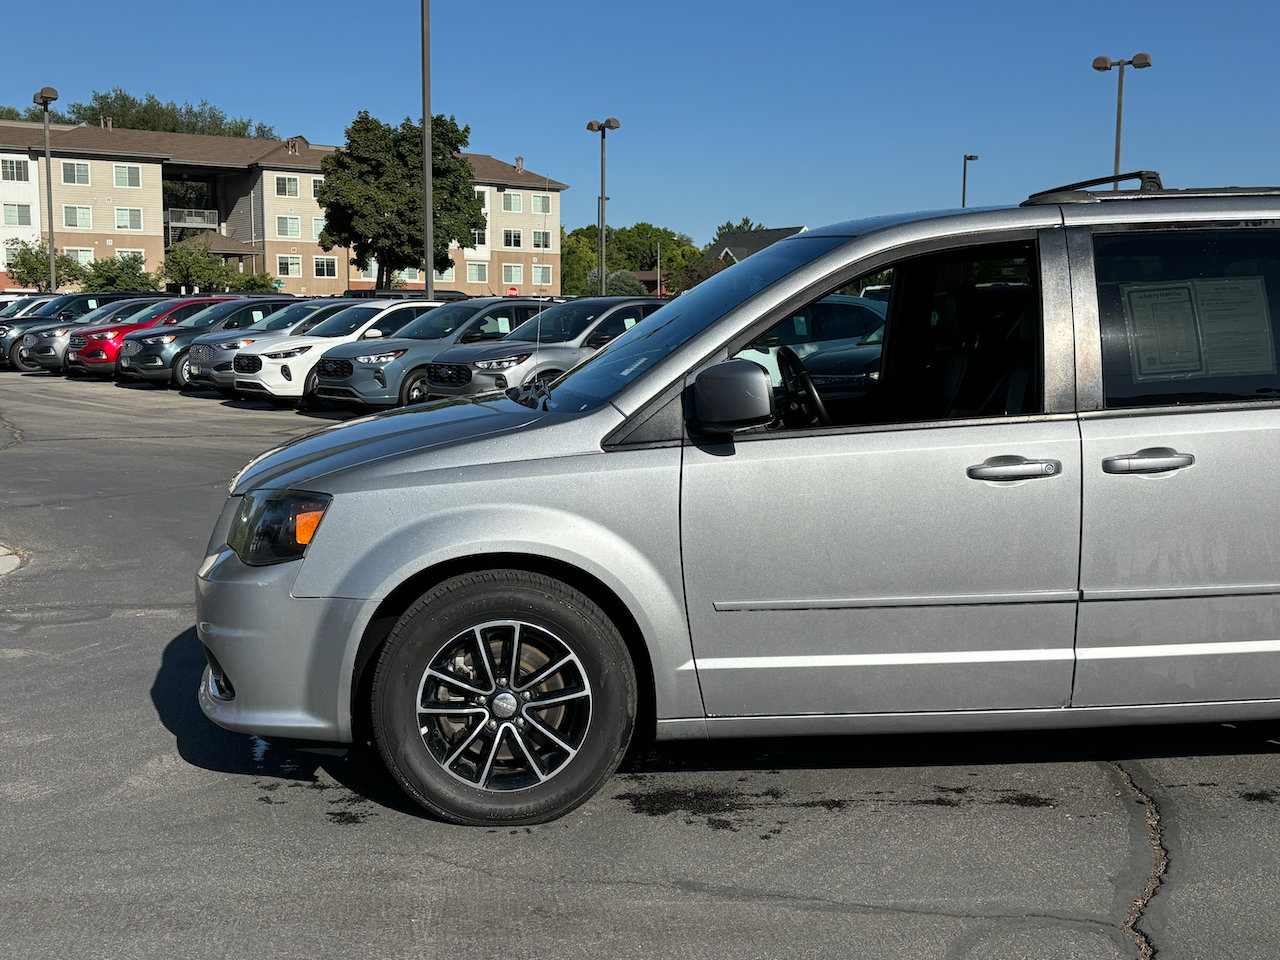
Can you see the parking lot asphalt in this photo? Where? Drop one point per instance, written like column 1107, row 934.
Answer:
column 132, row 827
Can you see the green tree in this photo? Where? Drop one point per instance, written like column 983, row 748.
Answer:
column 117, row 273
column 578, row 256
column 29, row 265
column 688, row 268
column 372, row 194
column 617, row 283
column 745, row 225
column 190, row 264
column 149, row 113
column 238, row 282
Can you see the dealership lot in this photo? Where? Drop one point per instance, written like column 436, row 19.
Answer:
column 133, row 827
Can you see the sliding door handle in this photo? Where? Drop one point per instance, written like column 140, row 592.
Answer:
column 1148, row 460
column 1013, row 468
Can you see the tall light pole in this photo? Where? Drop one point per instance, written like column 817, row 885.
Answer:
column 964, row 178
column 46, row 96
column 603, row 126
column 427, row 231
column 1140, row 61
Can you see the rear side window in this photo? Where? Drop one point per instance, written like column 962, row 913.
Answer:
column 1186, row 316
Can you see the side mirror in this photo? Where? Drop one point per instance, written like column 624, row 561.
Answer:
column 373, row 333
column 597, row 340
column 731, row 396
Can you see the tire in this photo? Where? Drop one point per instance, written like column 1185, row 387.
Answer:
column 490, row 754
column 309, row 400
column 182, row 371
column 414, row 388
column 17, row 362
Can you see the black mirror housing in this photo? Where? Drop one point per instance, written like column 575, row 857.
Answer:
column 731, row 396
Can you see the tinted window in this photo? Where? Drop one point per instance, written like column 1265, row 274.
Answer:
column 396, row 319
column 313, row 313
column 559, row 323
column 439, row 322
column 493, row 324
column 344, row 322
column 1186, row 316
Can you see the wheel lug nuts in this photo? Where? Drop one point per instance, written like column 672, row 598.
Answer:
column 502, row 682
column 519, row 721
column 526, row 695
column 492, row 724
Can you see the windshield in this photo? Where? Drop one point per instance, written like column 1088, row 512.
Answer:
column 11, row 308
column 344, row 322
column 153, row 311
column 592, row 383
column 439, row 322
column 560, row 323
column 294, row 313
column 210, row 314
column 108, row 311
column 51, row 308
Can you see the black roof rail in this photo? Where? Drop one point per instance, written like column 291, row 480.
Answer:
column 1148, row 182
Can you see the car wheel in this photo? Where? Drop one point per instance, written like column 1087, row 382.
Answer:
column 182, row 371
column 309, row 399
column 503, row 697
column 414, row 388
column 19, row 362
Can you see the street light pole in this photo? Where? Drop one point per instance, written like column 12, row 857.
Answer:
column 428, row 242
column 964, row 180
column 1140, row 61
column 604, row 126
column 46, row 96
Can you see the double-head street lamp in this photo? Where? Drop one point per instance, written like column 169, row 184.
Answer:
column 964, row 179
column 604, row 126
column 1140, row 61
column 43, row 98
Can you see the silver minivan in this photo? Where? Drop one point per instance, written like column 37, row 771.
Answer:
column 1044, row 498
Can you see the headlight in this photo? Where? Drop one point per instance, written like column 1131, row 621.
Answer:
column 4, row 330
column 273, row 526
column 105, row 335
column 50, row 334
column 286, row 354
column 234, row 344
column 168, row 338
column 380, row 357
column 503, row 364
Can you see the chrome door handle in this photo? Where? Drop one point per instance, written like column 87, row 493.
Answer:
column 1148, row 460
column 1013, row 468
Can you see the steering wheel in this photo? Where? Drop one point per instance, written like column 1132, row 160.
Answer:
column 798, row 385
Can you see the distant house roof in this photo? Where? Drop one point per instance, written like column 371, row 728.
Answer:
column 738, row 246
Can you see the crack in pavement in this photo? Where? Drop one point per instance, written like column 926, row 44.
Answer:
column 15, row 434
column 1160, row 857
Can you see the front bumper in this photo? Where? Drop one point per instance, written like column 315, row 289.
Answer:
column 276, row 378
column 50, row 352
column 482, row 381
column 368, row 384
column 145, row 365
column 278, row 666
column 93, row 358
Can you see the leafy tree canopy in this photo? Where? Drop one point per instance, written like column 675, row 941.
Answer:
column 149, row 113
column 192, row 265
column 29, row 266
column 617, row 283
column 745, row 225
column 372, row 194
column 117, row 273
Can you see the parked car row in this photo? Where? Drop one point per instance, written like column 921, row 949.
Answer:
column 318, row 351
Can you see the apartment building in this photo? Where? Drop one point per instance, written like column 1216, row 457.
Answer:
column 139, row 191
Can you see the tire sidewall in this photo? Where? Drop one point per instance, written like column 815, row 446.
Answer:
column 450, row 610
column 411, row 378
column 15, row 359
column 181, row 376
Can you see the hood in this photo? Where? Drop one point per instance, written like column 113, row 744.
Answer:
column 84, row 331
column 290, row 343
column 386, row 436
column 358, row 348
column 180, row 334
column 495, row 350
column 225, row 336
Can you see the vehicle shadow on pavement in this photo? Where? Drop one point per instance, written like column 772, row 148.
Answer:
column 204, row 744
column 1104, row 744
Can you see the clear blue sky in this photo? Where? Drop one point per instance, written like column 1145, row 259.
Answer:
column 786, row 111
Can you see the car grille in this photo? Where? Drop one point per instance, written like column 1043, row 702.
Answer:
column 247, row 363
column 77, row 342
column 201, row 353
column 449, row 374
column 130, row 348
column 335, row 369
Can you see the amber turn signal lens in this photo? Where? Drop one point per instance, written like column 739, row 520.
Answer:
column 305, row 525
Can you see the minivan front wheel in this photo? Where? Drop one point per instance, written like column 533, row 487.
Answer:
column 503, row 697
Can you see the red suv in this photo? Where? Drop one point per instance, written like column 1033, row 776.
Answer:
column 94, row 349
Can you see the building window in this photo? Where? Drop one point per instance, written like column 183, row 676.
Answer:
column 77, row 217
column 317, row 227
column 326, row 266
column 77, row 173
column 542, row 239
column 446, row 277
column 513, row 273
column 510, row 202
column 17, row 214
column 316, row 184
column 483, row 196
column 128, row 175
column 511, row 238
column 478, row 238
column 409, row 275
column 286, row 186
column 477, row 273
column 288, row 227
column 121, row 253
column 128, row 218
column 541, row 203
column 371, row 271
column 14, row 170
column 289, row 266
column 81, row 255
column 541, row 275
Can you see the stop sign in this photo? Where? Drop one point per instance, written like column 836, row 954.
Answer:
column 511, row 291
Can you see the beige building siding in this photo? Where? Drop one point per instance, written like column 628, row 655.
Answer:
column 305, row 214
column 108, row 205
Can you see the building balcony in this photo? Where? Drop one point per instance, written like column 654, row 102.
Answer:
column 187, row 217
